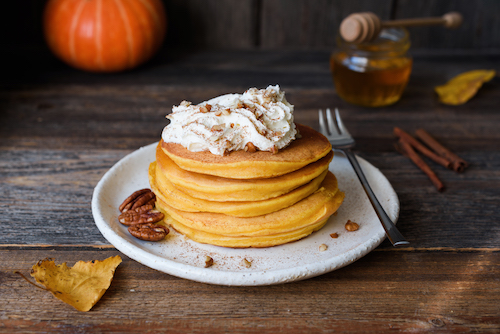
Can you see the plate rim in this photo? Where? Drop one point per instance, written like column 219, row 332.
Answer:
column 229, row 278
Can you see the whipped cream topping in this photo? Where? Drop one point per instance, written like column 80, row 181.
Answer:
column 255, row 120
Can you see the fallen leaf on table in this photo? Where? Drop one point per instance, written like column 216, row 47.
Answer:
column 80, row 286
column 463, row 87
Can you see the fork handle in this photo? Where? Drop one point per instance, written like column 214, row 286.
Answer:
column 392, row 232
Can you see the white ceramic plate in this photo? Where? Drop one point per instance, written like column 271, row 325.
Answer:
column 182, row 257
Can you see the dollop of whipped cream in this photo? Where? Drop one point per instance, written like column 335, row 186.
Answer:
column 255, row 120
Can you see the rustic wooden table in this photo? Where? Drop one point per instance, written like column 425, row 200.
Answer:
column 61, row 130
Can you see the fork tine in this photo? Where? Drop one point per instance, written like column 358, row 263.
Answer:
column 331, row 123
column 340, row 124
column 322, row 126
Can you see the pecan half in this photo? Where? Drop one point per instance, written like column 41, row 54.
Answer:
column 149, row 232
column 144, row 199
column 131, row 199
column 141, row 215
column 144, row 208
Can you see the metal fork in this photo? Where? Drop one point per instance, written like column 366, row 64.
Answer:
column 340, row 139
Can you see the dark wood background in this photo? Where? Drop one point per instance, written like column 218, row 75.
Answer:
column 282, row 24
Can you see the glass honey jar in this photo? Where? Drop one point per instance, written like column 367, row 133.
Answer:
column 372, row 74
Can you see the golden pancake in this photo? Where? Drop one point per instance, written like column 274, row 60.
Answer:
column 177, row 199
column 310, row 147
column 312, row 209
column 244, row 242
column 216, row 188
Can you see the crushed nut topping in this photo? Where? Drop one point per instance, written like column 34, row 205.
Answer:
column 323, row 247
column 206, row 108
column 250, row 147
column 246, row 263
column 218, row 127
column 334, row 235
column 351, row 226
column 208, row 261
column 264, row 124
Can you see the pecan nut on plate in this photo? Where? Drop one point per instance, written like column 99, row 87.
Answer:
column 149, row 231
column 141, row 215
column 137, row 212
column 138, row 199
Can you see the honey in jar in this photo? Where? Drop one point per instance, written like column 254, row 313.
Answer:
column 372, row 74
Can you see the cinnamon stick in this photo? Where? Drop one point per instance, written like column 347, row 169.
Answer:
column 443, row 161
column 410, row 153
column 457, row 164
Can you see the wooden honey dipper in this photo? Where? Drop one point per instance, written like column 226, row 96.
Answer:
column 365, row 27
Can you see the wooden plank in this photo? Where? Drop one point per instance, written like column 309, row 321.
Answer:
column 111, row 111
column 48, row 194
column 233, row 71
column 302, row 24
column 480, row 29
column 406, row 291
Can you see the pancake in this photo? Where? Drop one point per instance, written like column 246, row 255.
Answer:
column 310, row 147
column 177, row 199
column 312, row 209
column 244, row 242
column 216, row 188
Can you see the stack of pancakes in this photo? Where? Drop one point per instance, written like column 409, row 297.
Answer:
column 247, row 199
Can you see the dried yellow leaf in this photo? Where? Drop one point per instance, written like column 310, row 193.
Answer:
column 80, row 286
column 463, row 87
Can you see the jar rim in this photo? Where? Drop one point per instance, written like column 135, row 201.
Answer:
column 395, row 39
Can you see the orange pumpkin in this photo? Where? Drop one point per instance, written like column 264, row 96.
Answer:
column 104, row 35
